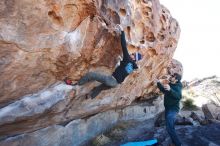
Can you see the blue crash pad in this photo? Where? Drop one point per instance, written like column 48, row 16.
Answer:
column 141, row 143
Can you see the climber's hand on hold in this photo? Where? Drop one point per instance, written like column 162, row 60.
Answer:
column 118, row 28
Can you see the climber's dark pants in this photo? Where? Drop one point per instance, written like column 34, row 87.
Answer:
column 170, row 116
column 108, row 81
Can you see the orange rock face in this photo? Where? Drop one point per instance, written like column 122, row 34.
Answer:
column 42, row 42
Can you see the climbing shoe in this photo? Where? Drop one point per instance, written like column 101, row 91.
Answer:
column 68, row 81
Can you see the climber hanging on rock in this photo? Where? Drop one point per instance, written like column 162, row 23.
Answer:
column 126, row 67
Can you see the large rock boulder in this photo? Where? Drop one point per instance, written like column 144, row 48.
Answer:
column 78, row 132
column 42, row 42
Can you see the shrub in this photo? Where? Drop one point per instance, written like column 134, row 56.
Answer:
column 189, row 104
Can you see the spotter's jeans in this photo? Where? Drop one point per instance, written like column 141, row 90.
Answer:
column 170, row 117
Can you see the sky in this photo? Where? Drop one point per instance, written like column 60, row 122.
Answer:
column 198, row 48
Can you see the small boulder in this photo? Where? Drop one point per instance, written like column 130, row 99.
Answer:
column 211, row 111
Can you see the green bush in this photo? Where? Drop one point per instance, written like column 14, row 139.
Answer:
column 189, row 104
